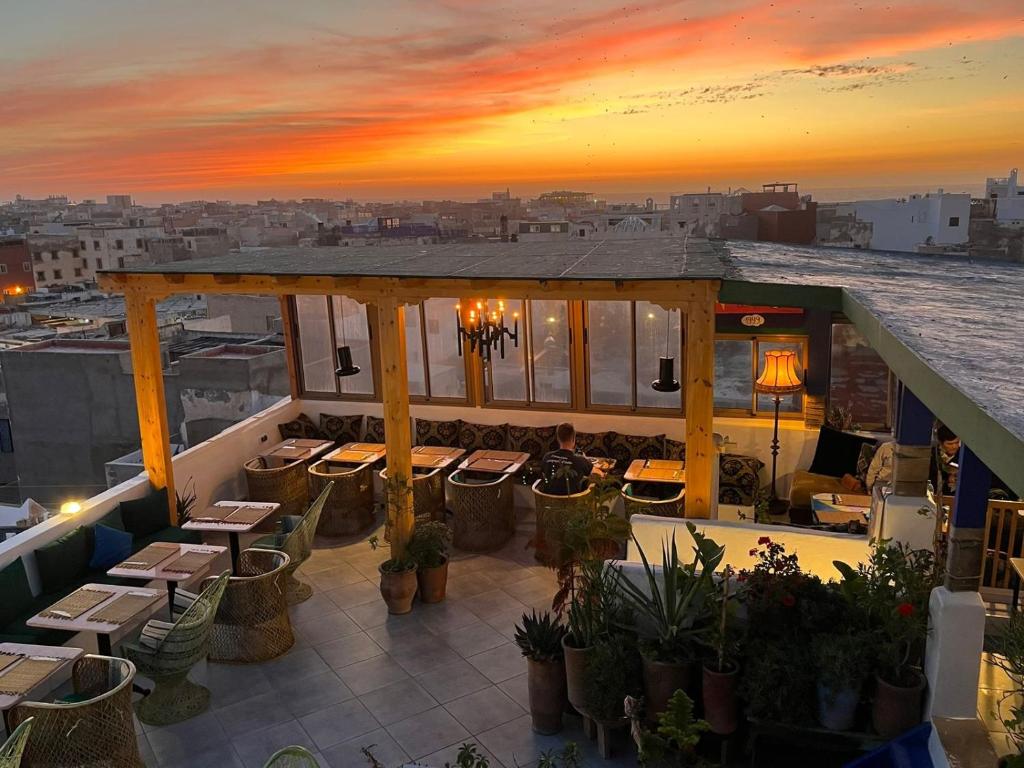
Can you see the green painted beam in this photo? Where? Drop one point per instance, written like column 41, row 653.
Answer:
column 781, row 295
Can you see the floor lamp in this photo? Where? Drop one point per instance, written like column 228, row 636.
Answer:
column 778, row 378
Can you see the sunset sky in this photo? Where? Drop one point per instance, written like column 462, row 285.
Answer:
column 243, row 99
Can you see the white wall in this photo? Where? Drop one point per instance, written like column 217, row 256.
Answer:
column 902, row 225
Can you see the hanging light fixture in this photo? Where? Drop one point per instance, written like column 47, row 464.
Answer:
column 485, row 330
column 666, row 381
column 345, row 365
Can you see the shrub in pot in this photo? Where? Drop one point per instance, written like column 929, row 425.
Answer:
column 540, row 640
column 612, row 674
column 1008, row 655
column 428, row 547
column 397, row 581
column 673, row 743
column 841, row 662
column 721, row 670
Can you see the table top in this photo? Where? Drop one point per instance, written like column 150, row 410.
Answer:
column 497, row 462
column 358, row 453
column 159, row 572
column 66, row 653
column 1017, row 563
column 296, row 449
column 213, row 525
column 82, row 623
column 656, row 471
column 431, row 456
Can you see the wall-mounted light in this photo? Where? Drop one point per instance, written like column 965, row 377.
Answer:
column 70, row 508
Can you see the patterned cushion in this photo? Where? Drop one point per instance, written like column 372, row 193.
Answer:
column 483, row 437
column 373, row 429
column 729, row 495
column 741, row 475
column 341, row 429
column 625, row 448
column 675, row 449
column 302, row 427
column 592, row 444
column 535, row 441
column 867, row 453
column 444, row 433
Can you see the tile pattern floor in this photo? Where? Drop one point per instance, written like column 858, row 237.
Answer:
column 995, row 700
column 414, row 687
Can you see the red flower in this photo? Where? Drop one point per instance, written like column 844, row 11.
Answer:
column 788, row 600
column 764, row 540
column 905, row 609
column 742, row 576
column 753, row 553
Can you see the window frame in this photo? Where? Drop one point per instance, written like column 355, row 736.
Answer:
column 757, row 339
column 469, row 369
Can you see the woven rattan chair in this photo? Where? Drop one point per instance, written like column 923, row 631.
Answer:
column 12, row 749
column 349, row 508
column 287, row 486
column 252, row 621
column 637, row 505
column 427, row 497
column 552, row 512
column 174, row 697
column 96, row 729
column 292, row 757
column 483, row 518
column 297, row 542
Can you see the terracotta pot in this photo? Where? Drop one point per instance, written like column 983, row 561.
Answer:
column 575, row 669
column 837, row 709
column 546, row 682
column 896, row 708
column 661, row 680
column 398, row 589
column 433, row 582
column 718, row 692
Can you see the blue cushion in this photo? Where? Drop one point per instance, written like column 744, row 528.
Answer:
column 110, row 548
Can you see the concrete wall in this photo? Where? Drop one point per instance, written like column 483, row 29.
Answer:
column 902, row 225
column 248, row 314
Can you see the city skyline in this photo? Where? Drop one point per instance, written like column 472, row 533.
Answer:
column 446, row 99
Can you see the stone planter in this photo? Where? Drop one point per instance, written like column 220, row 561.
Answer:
column 837, row 709
column 896, row 708
column 661, row 680
column 546, row 682
column 718, row 692
column 575, row 669
column 433, row 582
column 398, row 589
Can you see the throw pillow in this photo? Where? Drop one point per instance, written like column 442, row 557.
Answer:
column 110, row 547
column 442, row 433
column 592, row 444
column 625, row 448
column 483, row 437
column 373, row 429
column 341, row 429
column 144, row 517
column 63, row 562
column 741, row 474
column 837, row 452
column 675, row 449
column 302, row 427
column 867, row 453
column 16, row 592
column 535, row 441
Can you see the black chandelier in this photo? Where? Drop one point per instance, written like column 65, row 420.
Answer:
column 485, row 330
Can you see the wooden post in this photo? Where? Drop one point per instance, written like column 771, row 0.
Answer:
column 700, row 405
column 148, row 374
column 397, row 432
column 290, row 349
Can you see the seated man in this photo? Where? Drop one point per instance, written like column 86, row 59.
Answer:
column 564, row 471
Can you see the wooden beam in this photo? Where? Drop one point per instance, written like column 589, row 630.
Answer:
column 700, row 404
column 397, row 432
column 291, row 349
column 148, row 374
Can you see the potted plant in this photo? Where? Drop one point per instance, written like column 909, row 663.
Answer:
column 720, row 671
column 674, row 742
column 540, row 640
column 840, row 661
column 397, row 581
column 675, row 610
column 1008, row 655
column 428, row 547
column 612, row 674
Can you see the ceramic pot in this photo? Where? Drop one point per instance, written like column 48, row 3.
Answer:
column 575, row 670
column 661, row 680
column 546, row 683
column 896, row 708
column 433, row 582
column 718, row 692
column 398, row 589
column 837, row 709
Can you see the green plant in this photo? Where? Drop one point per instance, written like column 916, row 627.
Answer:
column 186, row 501
column 724, row 638
column 469, row 757
column 674, row 742
column 540, row 637
column 678, row 606
column 841, row 661
column 596, row 609
column 429, row 544
column 1009, row 656
column 570, row 757
column 392, row 565
column 612, row 673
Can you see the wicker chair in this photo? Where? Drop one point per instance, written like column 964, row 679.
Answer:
column 174, row 697
column 12, row 749
column 292, row 757
column 94, row 730
column 637, row 505
column 552, row 511
column 349, row 508
column 483, row 518
column 296, row 540
column 427, row 497
column 287, row 486
column 252, row 623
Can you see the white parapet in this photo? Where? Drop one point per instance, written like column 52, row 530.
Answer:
column 956, row 637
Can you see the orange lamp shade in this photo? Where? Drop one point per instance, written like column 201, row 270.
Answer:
column 779, row 376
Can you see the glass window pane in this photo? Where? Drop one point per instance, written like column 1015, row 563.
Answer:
column 734, row 385
column 860, row 378
column 508, row 375
column 657, row 335
column 351, row 328
column 609, row 334
column 790, row 403
column 447, row 370
column 549, row 337
column 414, row 352
column 315, row 343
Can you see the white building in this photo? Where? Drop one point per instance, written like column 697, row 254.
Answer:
column 701, row 212
column 920, row 220
column 115, row 246
column 59, row 260
column 1009, row 197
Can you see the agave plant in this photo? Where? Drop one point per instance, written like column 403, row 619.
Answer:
column 540, row 637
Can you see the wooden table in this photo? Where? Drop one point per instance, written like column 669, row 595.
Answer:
column 839, row 508
column 66, row 654
column 495, row 462
column 1016, row 572
column 358, row 453
column 105, row 632
column 295, row 449
column 656, row 471
column 173, row 578
column 433, row 456
column 232, row 529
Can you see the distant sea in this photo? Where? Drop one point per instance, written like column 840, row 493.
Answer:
column 819, row 193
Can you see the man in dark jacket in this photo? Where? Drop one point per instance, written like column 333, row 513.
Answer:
column 566, row 472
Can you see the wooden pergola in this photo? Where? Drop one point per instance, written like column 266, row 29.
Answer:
column 390, row 279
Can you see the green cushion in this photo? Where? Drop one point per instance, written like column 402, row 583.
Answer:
column 63, row 562
column 112, row 519
column 15, row 593
column 144, row 517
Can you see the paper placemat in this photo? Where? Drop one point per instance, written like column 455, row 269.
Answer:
column 490, row 465
column 124, row 608
column 74, row 605
column 6, row 659
column 434, row 450
column 190, row 562
column 305, row 442
column 289, row 452
column 151, row 556
column 664, row 464
column 22, row 678
column 358, row 457
column 214, row 514
column 247, row 515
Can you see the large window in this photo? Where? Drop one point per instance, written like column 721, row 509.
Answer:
column 739, row 360
column 352, row 330
column 436, row 370
column 860, row 379
column 326, row 323
column 537, row 371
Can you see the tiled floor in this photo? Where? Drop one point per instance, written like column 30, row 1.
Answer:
column 994, row 703
column 413, row 687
